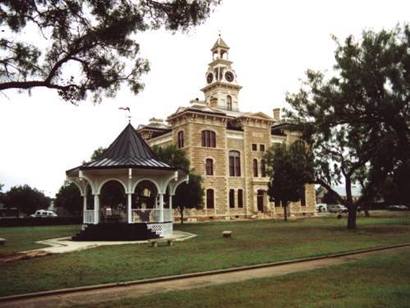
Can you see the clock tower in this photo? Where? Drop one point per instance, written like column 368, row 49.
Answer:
column 222, row 88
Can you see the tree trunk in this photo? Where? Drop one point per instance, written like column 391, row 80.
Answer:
column 351, row 219
column 181, row 211
column 366, row 210
column 352, row 208
column 285, row 210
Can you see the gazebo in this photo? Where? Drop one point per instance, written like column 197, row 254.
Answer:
column 127, row 194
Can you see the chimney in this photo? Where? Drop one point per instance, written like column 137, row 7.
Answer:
column 276, row 114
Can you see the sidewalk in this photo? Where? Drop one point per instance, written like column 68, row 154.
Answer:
column 184, row 282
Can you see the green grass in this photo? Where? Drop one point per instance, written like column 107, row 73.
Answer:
column 253, row 242
column 24, row 238
column 377, row 281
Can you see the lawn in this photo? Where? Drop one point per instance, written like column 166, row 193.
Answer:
column 377, row 281
column 24, row 238
column 253, row 242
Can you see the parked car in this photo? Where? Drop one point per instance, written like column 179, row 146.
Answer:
column 336, row 208
column 43, row 213
column 321, row 207
column 398, row 207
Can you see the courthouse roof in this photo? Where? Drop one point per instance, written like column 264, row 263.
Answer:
column 129, row 150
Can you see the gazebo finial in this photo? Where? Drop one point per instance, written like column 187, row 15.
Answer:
column 129, row 113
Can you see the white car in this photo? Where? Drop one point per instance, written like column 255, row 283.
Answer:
column 321, row 207
column 43, row 213
column 337, row 208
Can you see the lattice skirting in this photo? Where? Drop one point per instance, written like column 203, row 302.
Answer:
column 161, row 229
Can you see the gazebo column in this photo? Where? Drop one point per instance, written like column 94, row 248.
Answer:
column 129, row 195
column 161, row 207
column 84, row 207
column 129, row 204
column 171, row 216
column 96, row 209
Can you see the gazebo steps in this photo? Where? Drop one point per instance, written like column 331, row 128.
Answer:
column 115, row 232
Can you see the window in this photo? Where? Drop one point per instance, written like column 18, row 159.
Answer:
column 234, row 163
column 277, row 203
column 240, row 198
column 262, row 147
column 210, row 198
column 254, row 147
column 208, row 139
column 263, row 168
column 209, row 166
column 180, row 139
column 303, row 198
column 231, row 198
column 255, row 167
column 229, row 102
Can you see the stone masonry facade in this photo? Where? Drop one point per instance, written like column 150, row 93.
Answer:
column 226, row 147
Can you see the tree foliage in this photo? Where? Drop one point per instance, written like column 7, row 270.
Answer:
column 358, row 118
column 69, row 199
column 173, row 156
column 77, row 47
column 98, row 154
column 188, row 195
column 289, row 169
column 26, row 199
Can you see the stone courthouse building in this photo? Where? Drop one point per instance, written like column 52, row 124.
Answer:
column 226, row 147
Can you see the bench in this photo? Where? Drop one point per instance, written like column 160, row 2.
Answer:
column 2, row 241
column 161, row 242
column 227, row 234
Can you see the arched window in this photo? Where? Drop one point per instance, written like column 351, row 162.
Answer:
column 180, row 139
column 210, row 199
column 303, row 198
column 240, row 198
column 231, row 198
column 229, row 102
column 255, row 167
column 263, row 168
column 208, row 139
column 234, row 163
column 209, row 166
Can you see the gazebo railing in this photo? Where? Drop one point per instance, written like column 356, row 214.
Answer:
column 150, row 215
column 89, row 216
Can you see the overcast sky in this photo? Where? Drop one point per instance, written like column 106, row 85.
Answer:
column 272, row 44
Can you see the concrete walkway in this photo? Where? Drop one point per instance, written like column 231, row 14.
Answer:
column 65, row 244
column 95, row 296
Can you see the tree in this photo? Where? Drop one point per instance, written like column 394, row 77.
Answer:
column 26, row 199
column 330, row 198
column 1, row 193
column 172, row 156
column 78, row 47
column 289, row 169
column 359, row 118
column 187, row 195
column 98, row 154
column 69, row 199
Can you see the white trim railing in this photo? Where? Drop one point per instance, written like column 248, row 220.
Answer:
column 150, row 215
column 88, row 217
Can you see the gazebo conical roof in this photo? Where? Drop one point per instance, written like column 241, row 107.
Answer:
column 129, row 150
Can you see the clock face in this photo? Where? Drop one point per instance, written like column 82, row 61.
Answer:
column 209, row 77
column 229, row 76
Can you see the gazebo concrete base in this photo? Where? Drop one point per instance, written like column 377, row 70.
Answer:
column 116, row 232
